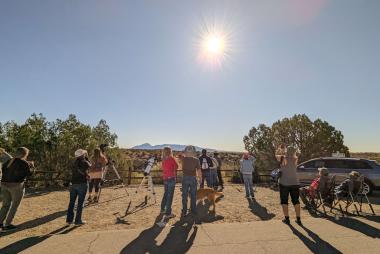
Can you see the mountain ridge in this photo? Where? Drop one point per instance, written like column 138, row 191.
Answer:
column 174, row 147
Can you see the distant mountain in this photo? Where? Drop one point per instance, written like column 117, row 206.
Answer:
column 174, row 147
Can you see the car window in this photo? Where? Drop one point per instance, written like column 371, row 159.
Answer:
column 310, row 164
column 335, row 164
column 361, row 165
column 319, row 164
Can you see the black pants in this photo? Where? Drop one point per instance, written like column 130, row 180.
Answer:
column 293, row 191
column 220, row 179
column 95, row 182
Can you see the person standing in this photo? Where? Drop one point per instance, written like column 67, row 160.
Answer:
column 14, row 173
column 191, row 171
column 206, row 165
column 289, row 184
column 214, row 173
column 246, row 169
column 218, row 170
column 169, row 173
column 78, row 189
column 96, row 173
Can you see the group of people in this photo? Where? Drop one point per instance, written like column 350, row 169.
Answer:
column 195, row 170
column 87, row 174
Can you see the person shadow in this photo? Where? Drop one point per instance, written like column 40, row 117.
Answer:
column 28, row 242
column 356, row 225
column 351, row 223
column 204, row 213
column 178, row 240
column 35, row 222
column 145, row 242
column 316, row 245
column 259, row 210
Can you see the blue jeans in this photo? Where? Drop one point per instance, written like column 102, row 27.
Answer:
column 189, row 184
column 76, row 190
column 167, row 199
column 206, row 174
column 248, row 185
column 214, row 179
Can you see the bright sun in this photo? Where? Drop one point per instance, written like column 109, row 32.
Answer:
column 213, row 47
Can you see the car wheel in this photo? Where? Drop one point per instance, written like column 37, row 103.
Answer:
column 367, row 185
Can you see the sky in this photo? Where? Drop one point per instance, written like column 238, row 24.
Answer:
column 136, row 64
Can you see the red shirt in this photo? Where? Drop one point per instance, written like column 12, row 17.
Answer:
column 169, row 168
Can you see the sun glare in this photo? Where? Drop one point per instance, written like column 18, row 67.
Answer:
column 213, row 47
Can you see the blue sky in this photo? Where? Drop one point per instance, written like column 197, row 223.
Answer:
column 134, row 63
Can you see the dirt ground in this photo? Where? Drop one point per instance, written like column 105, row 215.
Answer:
column 44, row 213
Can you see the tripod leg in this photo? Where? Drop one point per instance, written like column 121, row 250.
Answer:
column 116, row 172
column 141, row 184
column 151, row 186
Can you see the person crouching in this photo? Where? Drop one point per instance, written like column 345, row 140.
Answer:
column 78, row 188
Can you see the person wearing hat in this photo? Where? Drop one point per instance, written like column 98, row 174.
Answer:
column 218, row 170
column 78, row 188
column 191, row 171
column 14, row 173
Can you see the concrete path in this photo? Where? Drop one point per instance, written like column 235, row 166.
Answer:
column 317, row 236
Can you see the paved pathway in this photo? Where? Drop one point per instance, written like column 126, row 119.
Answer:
column 317, row 236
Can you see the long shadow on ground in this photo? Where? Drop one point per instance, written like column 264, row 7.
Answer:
column 35, row 222
column 317, row 245
column 259, row 210
column 145, row 241
column 26, row 243
column 177, row 240
column 351, row 223
column 204, row 213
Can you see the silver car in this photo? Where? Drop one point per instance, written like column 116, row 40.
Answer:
column 341, row 167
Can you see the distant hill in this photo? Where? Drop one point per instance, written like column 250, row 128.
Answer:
column 174, row 147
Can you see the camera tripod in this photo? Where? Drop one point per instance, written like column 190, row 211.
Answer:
column 149, row 184
column 111, row 166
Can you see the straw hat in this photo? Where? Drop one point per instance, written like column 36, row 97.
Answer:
column 190, row 150
column 80, row 152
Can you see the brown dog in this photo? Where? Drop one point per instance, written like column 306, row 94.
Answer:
column 210, row 194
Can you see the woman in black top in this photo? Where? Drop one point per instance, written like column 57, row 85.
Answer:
column 14, row 173
column 78, row 189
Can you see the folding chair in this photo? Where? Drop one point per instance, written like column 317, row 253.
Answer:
column 326, row 197
column 362, row 194
column 347, row 198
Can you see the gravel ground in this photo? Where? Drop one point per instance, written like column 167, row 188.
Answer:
column 44, row 213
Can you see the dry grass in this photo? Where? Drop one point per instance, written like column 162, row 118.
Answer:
column 43, row 213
